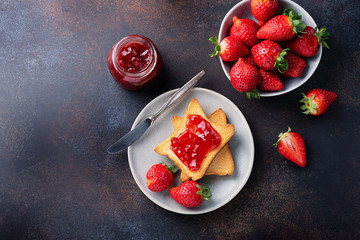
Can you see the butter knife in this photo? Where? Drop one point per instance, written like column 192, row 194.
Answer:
column 128, row 139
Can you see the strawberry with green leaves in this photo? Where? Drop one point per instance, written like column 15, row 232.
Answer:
column 263, row 10
column 292, row 146
column 244, row 77
column 229, row 49
column 296, row 65
column 269, row 55
column 245, row 30
column 308, row 43
column 159, row 177
column 282, row 27
column 317, row 101
column 190, row 193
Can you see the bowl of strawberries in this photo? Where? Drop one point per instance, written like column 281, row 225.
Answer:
column 268, row 48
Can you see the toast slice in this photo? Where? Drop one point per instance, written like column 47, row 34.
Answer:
column 226, row 131
column 223, row 163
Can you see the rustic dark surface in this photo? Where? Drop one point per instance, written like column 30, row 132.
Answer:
column 60, row 109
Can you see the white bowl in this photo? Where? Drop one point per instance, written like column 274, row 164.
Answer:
column 243, row 10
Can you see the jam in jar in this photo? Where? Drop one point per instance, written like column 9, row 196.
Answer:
column 192, row 145
column 134, row 62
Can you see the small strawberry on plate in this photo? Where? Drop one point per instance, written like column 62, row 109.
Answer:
column 308, row 43
column 229, row 49
column 317, row 101
column 292, row 146
column 263, row 10
column 282, row 27
column 190, row 193
column 159, row 177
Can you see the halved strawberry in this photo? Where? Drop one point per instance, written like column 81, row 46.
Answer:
column 291, row 145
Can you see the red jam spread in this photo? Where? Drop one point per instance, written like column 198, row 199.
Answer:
column 195, row 142
column 134, row 57
column 134, row 62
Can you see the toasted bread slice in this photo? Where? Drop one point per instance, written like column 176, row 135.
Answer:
column 223, row 163
column 226, row 131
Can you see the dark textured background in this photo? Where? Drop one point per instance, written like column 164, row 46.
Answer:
column 60, row 109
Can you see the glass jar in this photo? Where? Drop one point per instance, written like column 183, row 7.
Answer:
column 134, row 62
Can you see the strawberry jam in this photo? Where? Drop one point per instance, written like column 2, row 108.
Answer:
column 195, row 142
column 134, row 62
column 134, row 57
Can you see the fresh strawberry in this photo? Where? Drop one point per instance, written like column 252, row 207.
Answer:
column 230, row 49
column 282, row 27
column 250, row 60
column 263, row 10
column 308, row 44
column 244, row 77
column 269, row 55
column 159, row 177
column 296, row 65
column 317, row 101
column 190, row 193
column 270, row 81
column 291, row 145
column 245, row 30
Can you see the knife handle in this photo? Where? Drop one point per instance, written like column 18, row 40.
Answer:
column 178, row 95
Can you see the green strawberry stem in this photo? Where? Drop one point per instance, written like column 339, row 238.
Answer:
column 309, row 105
column 295, row 20
column 281, row 136
column 171, row 168
column 255, row 93
column 204, row 192
column 217, row 47
column 281, row 64
column 322, row 35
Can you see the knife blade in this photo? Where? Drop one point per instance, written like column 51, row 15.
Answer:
column 128, row 139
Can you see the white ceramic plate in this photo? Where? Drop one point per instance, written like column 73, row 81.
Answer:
column 243, row 10
column 142, row 155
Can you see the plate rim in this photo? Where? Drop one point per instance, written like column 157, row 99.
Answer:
column 193, row 211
